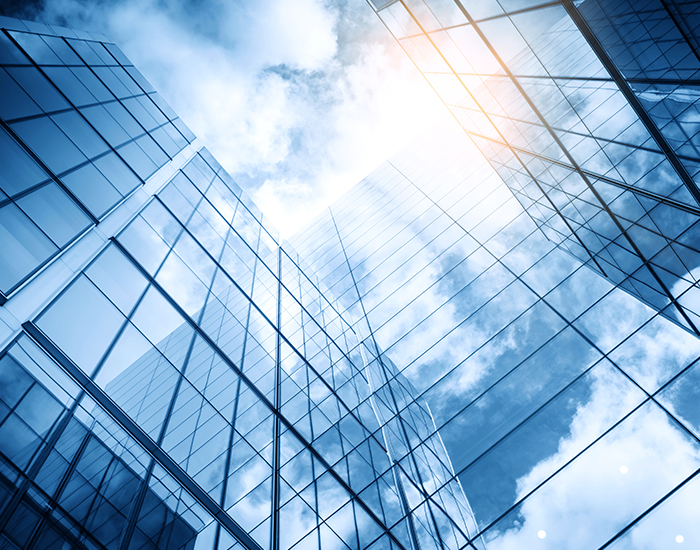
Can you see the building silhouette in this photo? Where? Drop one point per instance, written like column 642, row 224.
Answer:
column 441, row 360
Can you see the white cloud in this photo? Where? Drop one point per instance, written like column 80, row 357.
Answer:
column 297, row 100
column 594, row 491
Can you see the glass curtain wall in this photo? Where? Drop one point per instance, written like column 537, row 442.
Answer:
column 588, row 111
column 170, row 377
column 568, row 407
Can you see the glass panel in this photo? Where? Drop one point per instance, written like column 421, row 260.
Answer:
column 23, row 247
column 19, row 171
column 55, row 213
column 82, row 322
column 92, row 189
column 49, row 143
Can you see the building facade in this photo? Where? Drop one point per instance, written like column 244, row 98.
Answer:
column 420, row 368
column 588, row 111
column 171, row 378
column 564, row 403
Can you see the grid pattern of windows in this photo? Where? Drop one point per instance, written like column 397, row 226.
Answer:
column 587, row 110
column 560, row 399
column 189, row 351
column 80, row 129
column 419, row 369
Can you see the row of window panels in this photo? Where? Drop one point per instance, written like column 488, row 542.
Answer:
column 626, row 355
column 202, row 231
column 668, row 57
column 123, row 346
column 102, row 518
column 89, row 480
column 360, row 247
column 537, row 95
column 459, row 278
column 564, row 187
column 211, row 171
column 29, row 93
column 428, row 236
column 185, row 247
column 370, row 263
column 620, row 260
column 434, row 16
column 103, row 83
column 238, row 476
column 541, row 42
column 520, row 462
column 307, row 293
column 440, row 289
column 642, row 39
column 425, row 243
column 256, row 363
column 368, row 236
column 504, row 295
column 57, row 50
column 549, row 455
column 637, row 167
column 43, row 218
column 74, row 84
column 686, row 17
column 645, row 25
column 673, row 131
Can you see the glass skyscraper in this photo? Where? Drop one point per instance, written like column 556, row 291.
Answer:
column 431, row 364
column 588, row 110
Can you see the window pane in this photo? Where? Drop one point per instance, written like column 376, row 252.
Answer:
column 92, row 189
column 82, row 322
column 118, row 278
column 15, row 102
column 55, row 213
column 80, row 133
column 22, row 246
column 49, row 143
column 39, row 88
column 19, row 171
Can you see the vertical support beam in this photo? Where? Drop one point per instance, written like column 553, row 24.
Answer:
column 631, row 97
column 275, row 526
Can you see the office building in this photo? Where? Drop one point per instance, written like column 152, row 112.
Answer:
column 420, row 368
column 171, row 378
column 588, row 111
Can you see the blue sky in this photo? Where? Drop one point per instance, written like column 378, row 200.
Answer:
column 297, row 100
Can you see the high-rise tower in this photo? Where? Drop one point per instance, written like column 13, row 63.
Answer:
column 588, row 111
column 421, row 368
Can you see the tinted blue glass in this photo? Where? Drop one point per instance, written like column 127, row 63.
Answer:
column 105, row 124
column 86, row 53
column 92, row 83
column 80, row 133
column 137, row 159
column 19, row 172
column 39, row 88
column 15, row 102
column 92, row 189
column 59, row 46
column 36, row 48
column 122, row 116
column 117, row 278
column 55, row 213
column 82, row 305
column 70, row 86
column 119, row 175
column 10, row 54
column 50, row 144
column 23, row 247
